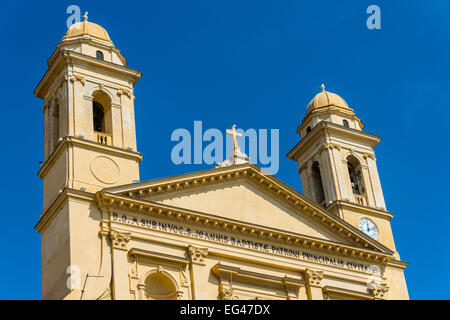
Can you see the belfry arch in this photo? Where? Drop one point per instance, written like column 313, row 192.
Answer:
column 102, row 117
column 356, row 177
column 317, row 184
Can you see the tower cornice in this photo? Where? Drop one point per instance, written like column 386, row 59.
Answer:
column 328, row 127
column 348, row 113
column 65, row 58
column 70, row 140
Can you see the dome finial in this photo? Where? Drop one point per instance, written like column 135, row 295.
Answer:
column 85, row 16
column 322, row 86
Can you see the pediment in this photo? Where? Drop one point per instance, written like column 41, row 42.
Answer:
column 244, row 193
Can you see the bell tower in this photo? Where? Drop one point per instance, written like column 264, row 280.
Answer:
column 90, row 137
column 337, row 166
column 89, row 144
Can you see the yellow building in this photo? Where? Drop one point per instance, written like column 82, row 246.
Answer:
column 231, row 232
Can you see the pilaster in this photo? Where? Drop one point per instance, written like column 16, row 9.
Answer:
column 119, row 243
column 376, row 184
column 128, row 121
column 199, row 271
column 313, row 281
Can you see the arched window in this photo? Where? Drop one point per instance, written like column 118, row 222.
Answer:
column 356, row 179
column 308, row 130
column 99, row 116
column 159, row 286
column 99, row 55
column 102, row 117
column 317, row 185
column 345, row 123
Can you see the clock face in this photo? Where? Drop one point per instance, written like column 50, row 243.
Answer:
column 368, row 227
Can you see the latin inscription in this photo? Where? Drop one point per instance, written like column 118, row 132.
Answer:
column 242, row 243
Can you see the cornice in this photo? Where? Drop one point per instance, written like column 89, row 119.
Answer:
column 397, row 263
column 257, row 177
column 335, row 291
column 144, row 255
column 372, row 211
column 49, row 213
column 71, row 140
column 162, row 211
column 65, row 57
column 98, row 43
column 329, row 110
column 323, row 127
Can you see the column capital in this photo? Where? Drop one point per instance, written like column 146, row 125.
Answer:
column 141, row 286
column 75, row 78
column 119, row 240
column 125, row 92
column 378, row 290
column 304, row 166
column 226, row 293
column 369, row 155
column 313, row 277
column 197, row 255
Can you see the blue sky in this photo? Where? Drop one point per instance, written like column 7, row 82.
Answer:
column 256, row 64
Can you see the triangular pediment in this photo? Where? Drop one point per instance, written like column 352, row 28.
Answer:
column 244, row 193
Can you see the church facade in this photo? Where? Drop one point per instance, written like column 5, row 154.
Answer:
column 230, row 232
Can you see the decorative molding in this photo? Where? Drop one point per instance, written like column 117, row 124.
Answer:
column 313, row 277
column 159, row 259
column 105, row 169
column 326, row 296
column 76, row 78
column 227, row 275
column 333, row 129
column 378, row 290
column 329, row 146
column 119, row 240
column 125, row 92
column 197, row 254
column 226, row 293
column 369, row 155
column 133, row 272
column 365, row 252
column 332, row 293
column 184, row 275
column 69, row 141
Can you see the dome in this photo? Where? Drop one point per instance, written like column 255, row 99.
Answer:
column 326, row 99
column 87, row 28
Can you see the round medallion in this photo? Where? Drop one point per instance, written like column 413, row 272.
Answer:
column 105, row 169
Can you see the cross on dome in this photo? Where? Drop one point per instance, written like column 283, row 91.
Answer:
column 322, row 86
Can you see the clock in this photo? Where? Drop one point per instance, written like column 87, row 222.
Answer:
column 368, row 227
